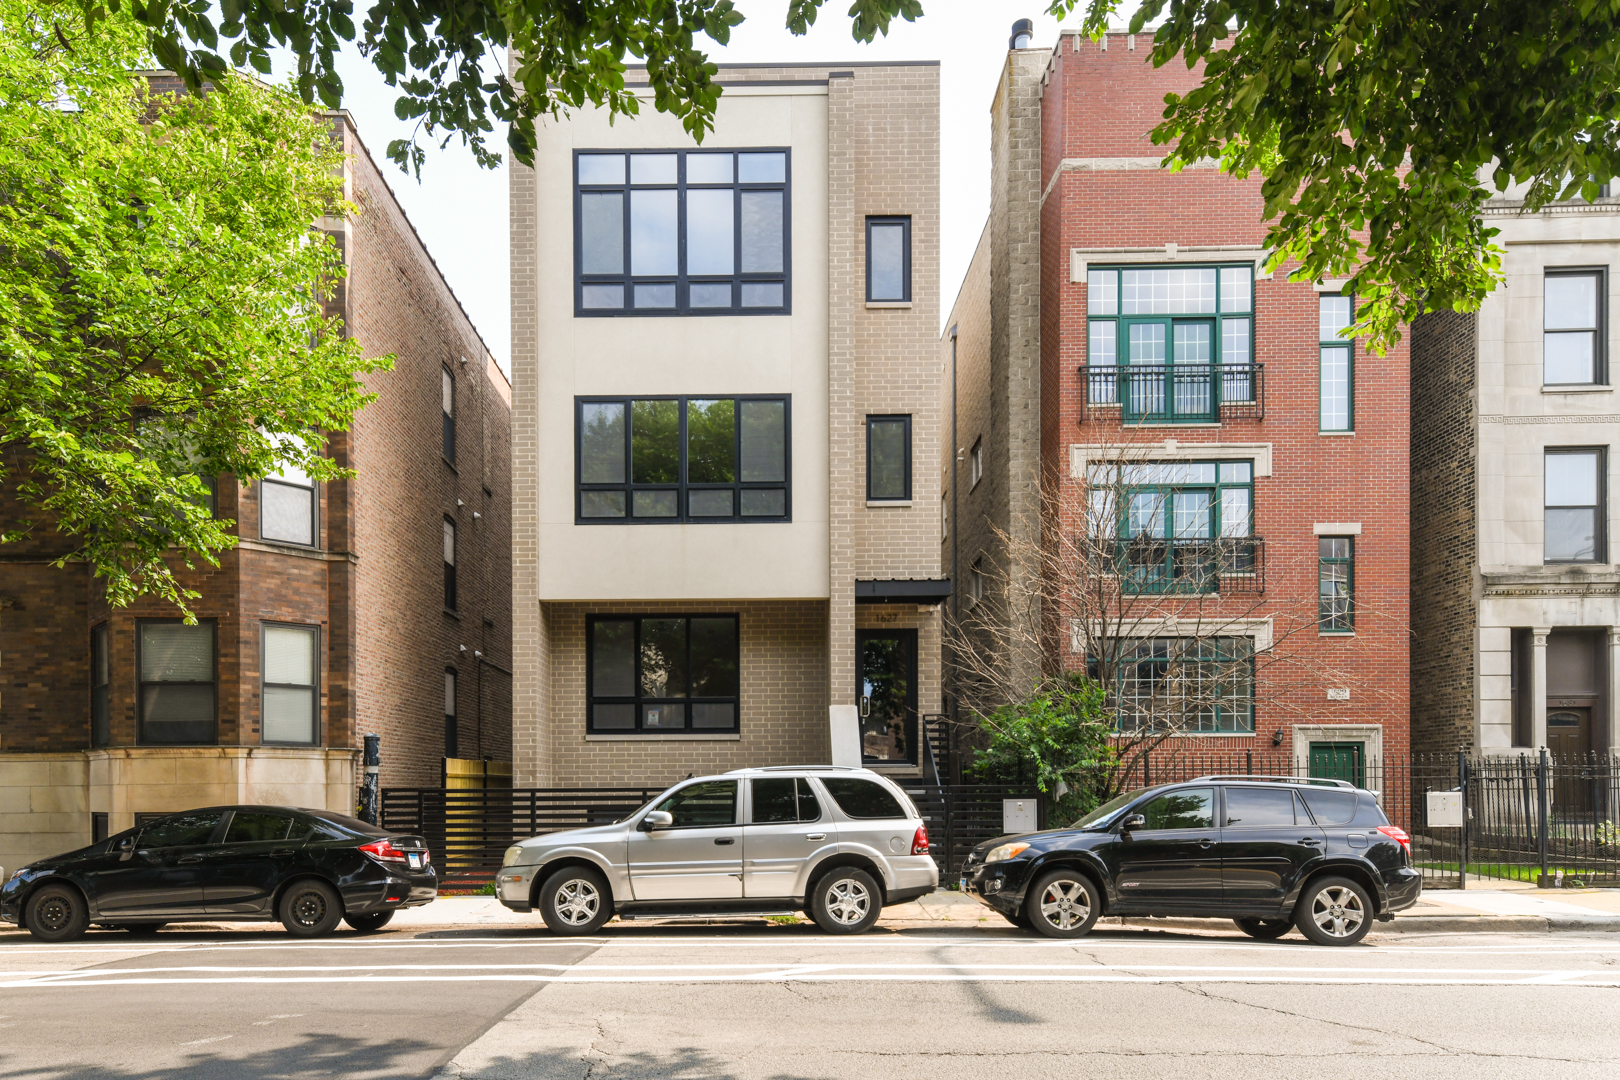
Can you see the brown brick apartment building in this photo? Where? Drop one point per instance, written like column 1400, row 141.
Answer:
column 379, row 605
column 1127, row 373
column 725, row 418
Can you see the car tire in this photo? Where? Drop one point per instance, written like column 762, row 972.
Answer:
column 1264, row 929
column 369, row 924
column 140, row 929
column 846, row 901
column 1334, row 911
column 1063, row 904
column 575, row 900
column 57, row 913
column 310, row 908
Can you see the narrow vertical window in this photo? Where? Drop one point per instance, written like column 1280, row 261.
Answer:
column 178, row 681
column 1336, row 361
column 1335, row 578
column 888, row 259
column 449, row 564
column 451, row 740
column 1573, row 521
column 976, row 463
column 944, row 517
column 448, row 393
column 100, row 687
column 290, row 690
column 1572, row 328
column 976, row 580
column 888, row 458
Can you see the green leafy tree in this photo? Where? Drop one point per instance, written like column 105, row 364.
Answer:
column 159, row 316
column 1061, row 737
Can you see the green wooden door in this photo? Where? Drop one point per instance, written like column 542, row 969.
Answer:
column 1338, row 761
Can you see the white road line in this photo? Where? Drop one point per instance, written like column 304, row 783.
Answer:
column 204, row 1042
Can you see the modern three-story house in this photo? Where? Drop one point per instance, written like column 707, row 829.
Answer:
column 724, row 413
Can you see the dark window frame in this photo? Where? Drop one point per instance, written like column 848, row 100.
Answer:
column 889, row 418
column 101, row 727
column 905, row 256
column 682, row 487
column 1600, row 531
column 317, row 729
column 1349, row 346
column 450, row 595
column 1600, row 333
column 141, row 684
column 681, row 280
column 1329, row 622
column 314, row 489
column 448, row 378
column 638, row 699
column 976, row 463
column 452, row 729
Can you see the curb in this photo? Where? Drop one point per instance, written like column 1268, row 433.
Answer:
column 1414, row 924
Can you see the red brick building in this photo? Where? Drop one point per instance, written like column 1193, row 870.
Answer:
column 380, row 604
column 1127, row 372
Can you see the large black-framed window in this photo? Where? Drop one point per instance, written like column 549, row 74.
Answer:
column 888, row 259
column 694, row 459
column 100, row 686
column 289, row 691
column 653, row 674
column 683, row 232
column 888, row 458
column 1573, row 505
column 1574, row 318
column 447, row 394
column 179, row 682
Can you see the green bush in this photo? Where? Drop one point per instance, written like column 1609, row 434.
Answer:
column 1060, row 738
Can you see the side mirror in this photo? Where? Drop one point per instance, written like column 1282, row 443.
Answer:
column 1135, row 821
column 656, row 819
column 126, row 848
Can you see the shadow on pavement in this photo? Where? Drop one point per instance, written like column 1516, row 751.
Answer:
column 310, row 1056
column 684, row 1063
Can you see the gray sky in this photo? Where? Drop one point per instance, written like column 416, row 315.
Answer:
column 460, row 210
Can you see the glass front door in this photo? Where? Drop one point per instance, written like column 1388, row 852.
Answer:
column 886, row 692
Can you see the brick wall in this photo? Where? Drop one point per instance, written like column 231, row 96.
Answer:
column 1445, row 349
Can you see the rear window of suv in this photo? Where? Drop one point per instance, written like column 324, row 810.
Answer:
column 1330, row 806
column 863, row 798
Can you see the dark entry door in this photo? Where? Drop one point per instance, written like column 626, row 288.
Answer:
column 1339, row 761
column 886, row 692
column 1569, row 741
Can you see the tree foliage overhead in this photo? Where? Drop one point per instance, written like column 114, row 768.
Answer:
column 159, row 317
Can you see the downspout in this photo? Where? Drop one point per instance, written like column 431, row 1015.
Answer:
column 956, row 533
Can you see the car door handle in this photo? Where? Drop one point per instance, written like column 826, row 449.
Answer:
column 1206, row 843
column 183, row 860
column 725, row 839
column 815, row 836
column 1310, row 841
column 285, row 851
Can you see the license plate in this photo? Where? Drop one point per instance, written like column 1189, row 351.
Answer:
column 964, row 884
column 415, row 861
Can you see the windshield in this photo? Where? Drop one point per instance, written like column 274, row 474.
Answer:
column 1104, row 815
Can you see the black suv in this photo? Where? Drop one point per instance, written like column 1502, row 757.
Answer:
column 1269, row 852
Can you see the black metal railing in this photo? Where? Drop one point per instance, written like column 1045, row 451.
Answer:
column 1175, row 393
column 1151, row 565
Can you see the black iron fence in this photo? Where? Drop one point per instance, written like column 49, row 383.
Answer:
column 469, row 830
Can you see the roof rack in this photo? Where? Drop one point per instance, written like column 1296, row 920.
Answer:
column 1320, row 781
column 798, row 768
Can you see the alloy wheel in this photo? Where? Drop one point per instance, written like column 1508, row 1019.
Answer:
column 1065, row 904
column 848, row 901
column 577, row 901
column 1337, row 911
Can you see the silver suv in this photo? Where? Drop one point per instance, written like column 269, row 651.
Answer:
column 838, row 844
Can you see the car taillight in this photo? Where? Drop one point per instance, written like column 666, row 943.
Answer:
column 427, row 857
column 383, row 851
column 1399, row 836
column 919, row 843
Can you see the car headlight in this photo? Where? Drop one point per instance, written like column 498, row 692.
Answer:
column 513, row 854
column 1003, row 852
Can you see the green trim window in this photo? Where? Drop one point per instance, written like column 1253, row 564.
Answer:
column 1170, row 344
column 1336, row 582
column 1176, row 526
column 1190, row 686
column 1336, row 363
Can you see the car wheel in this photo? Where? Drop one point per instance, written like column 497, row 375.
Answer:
column 310, row 908
column 1063, row 904
column 1334, row 911
column 369, row 924
column 57, row 913
column 140, row 929
column 846, row 901
column 1264, row 929
column 575, row 900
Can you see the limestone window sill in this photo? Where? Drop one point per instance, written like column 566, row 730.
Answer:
column 670, row 736
column 887, row 502
column 880, row 305
column 1583, row 388
column 1335, row 434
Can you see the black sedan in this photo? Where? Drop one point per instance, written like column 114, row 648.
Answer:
column 307, row 868
column 1270, row 853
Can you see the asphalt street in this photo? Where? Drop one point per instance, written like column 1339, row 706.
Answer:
column 752, row 1000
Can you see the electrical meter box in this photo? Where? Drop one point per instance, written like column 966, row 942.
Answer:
column 1445, row 809
column 1018, row 815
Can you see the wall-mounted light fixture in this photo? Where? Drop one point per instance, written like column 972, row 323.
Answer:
column 1277, row 737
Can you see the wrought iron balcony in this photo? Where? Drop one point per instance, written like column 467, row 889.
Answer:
column 1229, row 566
column 1175, row 393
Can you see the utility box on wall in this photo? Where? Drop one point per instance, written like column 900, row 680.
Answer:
column 1445, row 810
column 1018, row 815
